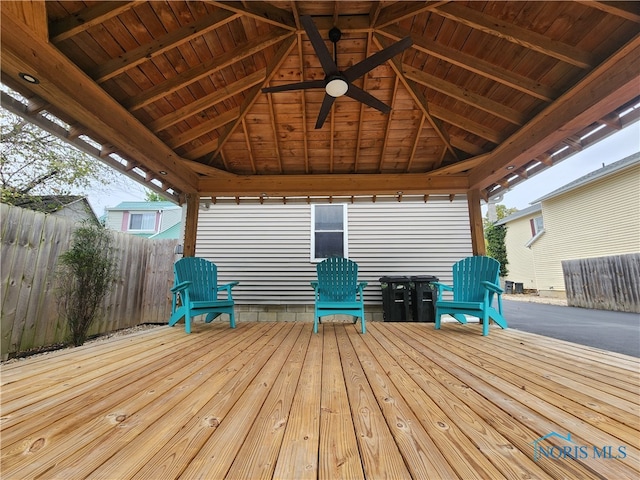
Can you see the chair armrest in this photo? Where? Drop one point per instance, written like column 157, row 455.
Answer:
column 181, row 286
column 442, row 286
column 363, row 285
column 227, row 287
column 492, row 286
column 314, row 285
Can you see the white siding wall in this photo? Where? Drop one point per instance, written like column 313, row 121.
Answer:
column 114, row 220
column 599, row 219
column 521, row 259
column 170, row 218
column 267, row 247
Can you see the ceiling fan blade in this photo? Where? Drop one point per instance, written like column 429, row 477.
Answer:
column 366, row 98
column 376, row 59
column 326, row 60
column 295, row 86
column 324, row 110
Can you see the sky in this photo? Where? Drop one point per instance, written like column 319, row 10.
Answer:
column 616, row 147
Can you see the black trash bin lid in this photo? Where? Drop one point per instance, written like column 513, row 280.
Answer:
column 424, row 278
column 392, row 279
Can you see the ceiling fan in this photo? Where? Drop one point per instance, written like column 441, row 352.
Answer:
column 335, row 82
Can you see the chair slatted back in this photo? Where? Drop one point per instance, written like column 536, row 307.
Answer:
column 337, row 280
column 467, row 275
column 202, row 273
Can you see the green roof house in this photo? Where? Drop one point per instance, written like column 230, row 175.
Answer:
column 161, row 220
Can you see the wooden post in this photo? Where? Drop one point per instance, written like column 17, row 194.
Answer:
column 475, row 222
column 191, row 225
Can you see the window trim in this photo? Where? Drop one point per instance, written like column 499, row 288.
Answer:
column 155, row 222
column 345, row 231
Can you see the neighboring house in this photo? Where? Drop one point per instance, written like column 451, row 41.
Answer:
column 73, row 207
column 272, row 247
column 596, row 215
column 146, row 219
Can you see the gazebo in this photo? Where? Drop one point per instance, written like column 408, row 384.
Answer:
column 171, row 93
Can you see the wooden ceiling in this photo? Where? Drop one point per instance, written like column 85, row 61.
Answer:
column 170, row 91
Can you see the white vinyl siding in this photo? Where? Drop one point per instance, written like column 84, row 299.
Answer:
column 266, row 247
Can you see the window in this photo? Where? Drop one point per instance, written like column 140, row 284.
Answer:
column 328, row 231
column 142, row 221
column 536, row 226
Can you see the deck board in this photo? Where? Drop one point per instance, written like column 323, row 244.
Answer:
column 273, row 400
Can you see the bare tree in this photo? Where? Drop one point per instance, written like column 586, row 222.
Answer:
column 34, row 162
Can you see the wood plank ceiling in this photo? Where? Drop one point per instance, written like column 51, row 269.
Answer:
column 171, row 90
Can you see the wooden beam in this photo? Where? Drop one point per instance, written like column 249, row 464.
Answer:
column 32, row 13
column 627, row 10
column 514, row 34
column 610, row 85
column 191, row 225
column 332, row 184
column 478, row 246
column 204, row 128
column 220, row 95
column 261, row 11
column 466, row 96
column 401, row 10
column 464, row 123
column 162, row 44
column 85, row 19
column 60, row 84
column 475, row 65
column 204, row 70
column 418, row 97
column 252, row 96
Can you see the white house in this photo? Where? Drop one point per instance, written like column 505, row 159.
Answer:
column 272, row 247
column 597, row 215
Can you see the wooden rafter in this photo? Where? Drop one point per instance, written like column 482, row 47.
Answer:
column 160, row 45
column 252, row 96
column 205, row 127
column 219, row 96
column 464, row 95
column 86, row 19
column 204, row 70
column 261, row 11
column 515, row 34
column 401, row 10
column 418, row 97
column 475, row 65
column 612, row 83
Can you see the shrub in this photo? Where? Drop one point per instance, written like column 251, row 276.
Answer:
column 496, row 248
column 86, row 273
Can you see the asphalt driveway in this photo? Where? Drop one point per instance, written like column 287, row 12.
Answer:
column 613, row 331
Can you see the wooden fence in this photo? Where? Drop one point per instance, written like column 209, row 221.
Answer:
column 31, row 243
column 604, row 283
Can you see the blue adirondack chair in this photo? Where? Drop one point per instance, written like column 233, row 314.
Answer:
column 475, row 283
column 337, row 290
column 196, row 285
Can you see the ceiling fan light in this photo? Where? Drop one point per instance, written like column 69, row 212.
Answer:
column 336, row 87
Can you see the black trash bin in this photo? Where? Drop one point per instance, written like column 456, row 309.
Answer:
column 423, row 297
column 396, row 298
column 519, row 288
column 508, row 286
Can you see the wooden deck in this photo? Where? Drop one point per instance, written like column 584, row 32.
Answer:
column 273, row 400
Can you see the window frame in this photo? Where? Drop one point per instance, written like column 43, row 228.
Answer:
column 345, row 231
column 152, row 229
